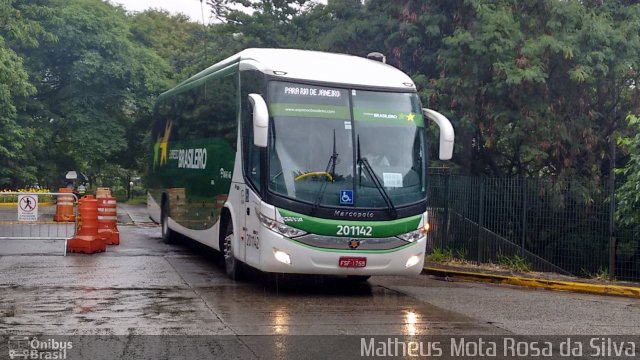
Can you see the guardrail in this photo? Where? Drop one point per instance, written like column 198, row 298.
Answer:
column 37, row 216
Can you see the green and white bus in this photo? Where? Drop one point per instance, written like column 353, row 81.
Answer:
column 293, row 161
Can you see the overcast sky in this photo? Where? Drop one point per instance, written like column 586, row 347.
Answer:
column 190, row 8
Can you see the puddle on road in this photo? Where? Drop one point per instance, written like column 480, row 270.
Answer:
column 45, row 310
column 257, row 307
column 330, row 306
column 183, row 290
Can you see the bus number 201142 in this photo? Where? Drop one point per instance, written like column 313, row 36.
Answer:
column 354, row 230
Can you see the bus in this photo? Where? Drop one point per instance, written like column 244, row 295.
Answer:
column 295, row 161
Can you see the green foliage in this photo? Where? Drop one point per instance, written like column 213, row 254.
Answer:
column 447, row 255
column 513, row 263
column 440, row 255
column 628, row 195
column 265, row 23
column 534, row 88
column 461, row 254
column 93, row 84
column 174, row 38
column 16, row 166
column 137, row 200
column 602, row 274
column 543, row 90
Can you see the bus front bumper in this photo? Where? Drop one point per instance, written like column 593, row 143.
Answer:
column 285, row 255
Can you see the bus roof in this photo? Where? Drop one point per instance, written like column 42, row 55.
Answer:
column 315, row 66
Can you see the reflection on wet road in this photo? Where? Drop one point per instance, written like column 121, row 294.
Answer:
column 146, row 287
column 330, row 307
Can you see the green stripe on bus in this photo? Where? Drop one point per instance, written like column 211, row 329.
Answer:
column 331, row 227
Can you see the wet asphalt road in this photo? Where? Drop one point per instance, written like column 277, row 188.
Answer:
column 146, row 287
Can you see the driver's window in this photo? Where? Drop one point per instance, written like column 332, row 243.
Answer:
column 251, row 83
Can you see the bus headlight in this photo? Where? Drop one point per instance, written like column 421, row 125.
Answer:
column 413, row 261
column 282, row 256
column 412, row 236
column 280, row 228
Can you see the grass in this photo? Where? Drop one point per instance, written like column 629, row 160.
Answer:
column 136, row 200
column 440, row 255
column 602, row 274
column 459, row 257
column 514, row 263
column 443, row 256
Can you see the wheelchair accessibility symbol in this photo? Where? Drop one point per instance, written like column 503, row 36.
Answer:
column 346, row 197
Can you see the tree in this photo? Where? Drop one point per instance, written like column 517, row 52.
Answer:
column 92, row 84
column 17, row 138
column 264, row 23
column 533, row 88
column 536, row 88
column 174, row 38
column 628, row 195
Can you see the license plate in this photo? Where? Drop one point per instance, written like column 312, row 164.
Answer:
column 352, row 262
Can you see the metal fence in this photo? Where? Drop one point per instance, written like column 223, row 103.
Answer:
column 558, row 226
column 32, row 216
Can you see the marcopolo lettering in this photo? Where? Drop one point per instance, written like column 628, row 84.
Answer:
column 192, row 158
column 354, row 214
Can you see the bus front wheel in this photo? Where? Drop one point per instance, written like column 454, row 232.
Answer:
column 232, row 266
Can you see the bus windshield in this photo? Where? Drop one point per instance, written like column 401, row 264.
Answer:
column 346, row 147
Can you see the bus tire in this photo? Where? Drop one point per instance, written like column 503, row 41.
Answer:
column 232, row 266
column 168, row 236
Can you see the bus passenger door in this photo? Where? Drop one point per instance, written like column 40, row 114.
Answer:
column 252, row 225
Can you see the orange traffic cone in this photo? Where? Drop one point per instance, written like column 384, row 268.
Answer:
column 86, row 239
column 108, row 221
column 64, row 206
column 103, row 192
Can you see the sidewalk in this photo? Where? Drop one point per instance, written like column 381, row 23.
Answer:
column 133, row 214
column 548, row 281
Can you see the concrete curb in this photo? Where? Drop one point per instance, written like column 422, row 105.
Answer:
column 600, row 289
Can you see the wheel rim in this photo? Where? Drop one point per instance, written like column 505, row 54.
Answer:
column 228, row 253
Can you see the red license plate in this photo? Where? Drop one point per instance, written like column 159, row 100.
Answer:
column 352, row 262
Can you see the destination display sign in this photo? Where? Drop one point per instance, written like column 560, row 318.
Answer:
column 290, row 99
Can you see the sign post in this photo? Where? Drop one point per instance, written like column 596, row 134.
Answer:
column 27, row 207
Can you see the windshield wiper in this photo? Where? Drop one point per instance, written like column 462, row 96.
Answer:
column 374, row 178
column 333, row 159
column 331, row 165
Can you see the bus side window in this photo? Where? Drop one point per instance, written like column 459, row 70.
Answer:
column 251, row 82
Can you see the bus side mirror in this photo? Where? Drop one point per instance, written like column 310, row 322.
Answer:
column 447, row 134
column 260, row 120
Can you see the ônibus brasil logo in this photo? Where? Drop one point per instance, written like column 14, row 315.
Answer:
column 24, row 347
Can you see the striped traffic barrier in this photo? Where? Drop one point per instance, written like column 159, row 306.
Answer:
column 108, row 220
column 102, row 192
column 86, row 239
column 64, row 206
